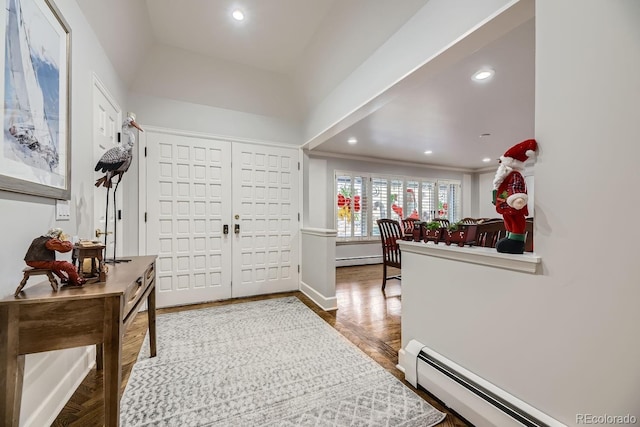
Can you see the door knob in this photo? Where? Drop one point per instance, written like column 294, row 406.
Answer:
column 102, row 233
column 225, row 229
column 236, row 228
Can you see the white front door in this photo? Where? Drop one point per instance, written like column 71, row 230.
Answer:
column 265, row 207
column 106, row 125
column 193, row 193
column 188, row 203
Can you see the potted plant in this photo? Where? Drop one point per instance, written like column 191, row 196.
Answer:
column 432, row 232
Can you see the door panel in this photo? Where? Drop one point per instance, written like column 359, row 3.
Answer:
column 188, row 203
column 106, row 125
column 265, row 203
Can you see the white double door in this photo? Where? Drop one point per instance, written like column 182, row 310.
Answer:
column 220, row 231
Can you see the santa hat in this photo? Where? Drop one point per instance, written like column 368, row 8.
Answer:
column 516, row 156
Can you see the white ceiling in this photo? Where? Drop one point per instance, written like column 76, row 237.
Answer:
column 272, row 36
column 299, row 39
column 448, row 112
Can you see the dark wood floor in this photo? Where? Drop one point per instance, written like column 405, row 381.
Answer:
column 366, row 316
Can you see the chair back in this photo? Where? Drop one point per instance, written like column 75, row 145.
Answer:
column 489, row 232
column 408, row 225
column 492, row 230
column 528, row 243
column 390, row 233
column 444, row 223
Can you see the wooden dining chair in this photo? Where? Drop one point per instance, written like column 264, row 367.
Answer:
column 408, row 225
column 468, row 221
column 390, row 233
column 444, row 223
column 528, row 243
column 489, row 232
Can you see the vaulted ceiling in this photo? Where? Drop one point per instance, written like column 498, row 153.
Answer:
column 302, row 49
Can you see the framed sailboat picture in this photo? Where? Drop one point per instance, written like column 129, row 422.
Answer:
column 35, row 150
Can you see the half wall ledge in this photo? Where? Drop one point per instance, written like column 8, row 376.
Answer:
column 526, row 263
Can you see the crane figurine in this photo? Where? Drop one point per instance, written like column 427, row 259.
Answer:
column 114, row 163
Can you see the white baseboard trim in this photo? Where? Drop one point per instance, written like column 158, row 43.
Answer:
column 325, row 303
column 466, row 403
column 48, row 410
column 363, row 260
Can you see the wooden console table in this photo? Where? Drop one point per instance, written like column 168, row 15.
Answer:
column 40, row 319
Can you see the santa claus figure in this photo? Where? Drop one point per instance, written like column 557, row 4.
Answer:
column 510, row 195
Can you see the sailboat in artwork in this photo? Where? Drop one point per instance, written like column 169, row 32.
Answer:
column 26, row 119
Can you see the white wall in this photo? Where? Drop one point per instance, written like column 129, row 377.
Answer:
column 486, row 209
column 565, row 340
column 50, row 377
column 315, row 192
column 467, row 196
column 318, row 276
column 359, row 253
column 181, row 75
column 174, row 114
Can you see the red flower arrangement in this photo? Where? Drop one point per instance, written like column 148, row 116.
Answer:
column 344, row 203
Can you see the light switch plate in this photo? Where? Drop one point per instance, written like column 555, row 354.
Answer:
column 63, row 211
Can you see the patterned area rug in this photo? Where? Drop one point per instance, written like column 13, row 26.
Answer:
column 264, row 363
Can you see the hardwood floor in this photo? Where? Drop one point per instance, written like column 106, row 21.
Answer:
column 366, row 316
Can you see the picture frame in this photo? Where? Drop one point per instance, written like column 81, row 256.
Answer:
column 35, row 54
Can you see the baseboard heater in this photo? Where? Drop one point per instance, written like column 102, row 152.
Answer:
column 358, row 260
column 486, row 395
column 481, row 402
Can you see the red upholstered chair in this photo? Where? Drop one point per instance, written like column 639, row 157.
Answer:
column 390, row 233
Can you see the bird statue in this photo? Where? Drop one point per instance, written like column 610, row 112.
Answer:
column 114, row 163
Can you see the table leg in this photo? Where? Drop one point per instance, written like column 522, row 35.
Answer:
column 80, row 265
column 151, row 314
column 112, row 374
column 11, row 368
column 74, row 256
column 99, row 356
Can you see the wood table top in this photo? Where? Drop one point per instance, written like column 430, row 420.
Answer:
column 119, row 277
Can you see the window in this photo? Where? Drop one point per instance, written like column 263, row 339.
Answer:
column 362, row 199
column 351, row 202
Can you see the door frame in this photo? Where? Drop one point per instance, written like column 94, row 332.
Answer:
column 97, row 84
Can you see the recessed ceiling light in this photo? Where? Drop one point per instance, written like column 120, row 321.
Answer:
column 238, row 15
column 486, row 160
column 483, row 74
column 428, row 152
column 352, row 141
